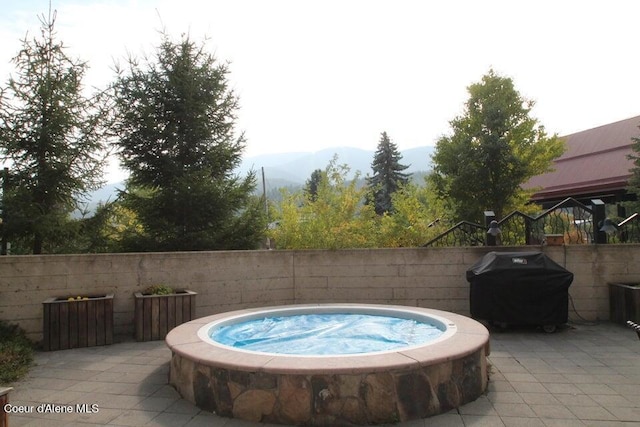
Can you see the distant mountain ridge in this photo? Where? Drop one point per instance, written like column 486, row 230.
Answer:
column 295, row 168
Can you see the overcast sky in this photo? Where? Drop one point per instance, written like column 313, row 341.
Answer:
column 318, row 74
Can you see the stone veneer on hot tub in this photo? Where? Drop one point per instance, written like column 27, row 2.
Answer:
column 374, row 388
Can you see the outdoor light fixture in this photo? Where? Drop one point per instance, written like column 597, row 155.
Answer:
column 494, row 230
column 608, row 227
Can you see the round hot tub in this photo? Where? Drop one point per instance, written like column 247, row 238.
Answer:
column 414, row 379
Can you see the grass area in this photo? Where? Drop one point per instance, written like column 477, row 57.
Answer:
column 16, row 353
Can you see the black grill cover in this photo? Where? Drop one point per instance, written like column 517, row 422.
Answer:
column 522, row 288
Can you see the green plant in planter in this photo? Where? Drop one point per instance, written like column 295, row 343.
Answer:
column 159, row 290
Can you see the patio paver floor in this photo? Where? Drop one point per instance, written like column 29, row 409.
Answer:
column 582, row 375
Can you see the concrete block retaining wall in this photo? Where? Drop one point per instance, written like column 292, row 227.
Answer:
column 424, row 277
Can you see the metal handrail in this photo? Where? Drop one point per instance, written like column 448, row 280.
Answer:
column 576, row 226
column 459, row 226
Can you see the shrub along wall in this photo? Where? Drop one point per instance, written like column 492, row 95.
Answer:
column 425, row 277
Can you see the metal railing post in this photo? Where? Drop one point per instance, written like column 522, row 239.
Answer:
column 489, row 216
column 599, row 216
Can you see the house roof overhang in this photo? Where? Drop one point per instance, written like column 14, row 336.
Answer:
column 595, row 163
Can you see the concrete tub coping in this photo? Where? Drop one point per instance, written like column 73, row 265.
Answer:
column 464, row 336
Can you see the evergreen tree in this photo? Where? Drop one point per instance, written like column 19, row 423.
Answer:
column 312, row 185
column 387, row 175
column 51, row 134
column 176, row 126
column 494, row 148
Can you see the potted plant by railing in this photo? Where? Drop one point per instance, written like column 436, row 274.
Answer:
column 624, row 302
column 159, row 309
column 77, row 321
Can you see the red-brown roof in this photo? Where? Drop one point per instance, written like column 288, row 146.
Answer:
column 594, row 163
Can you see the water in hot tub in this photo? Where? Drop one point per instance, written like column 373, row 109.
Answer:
column 326, row 334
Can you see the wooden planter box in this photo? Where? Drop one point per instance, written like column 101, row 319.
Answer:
column 554, row 239
column 156, row 315
column 4, row 399
column 624, row 302
column 77, row 323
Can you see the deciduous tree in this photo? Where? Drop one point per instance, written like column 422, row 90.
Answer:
column 414, row 220
column 495, row 146
column 336, row 218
